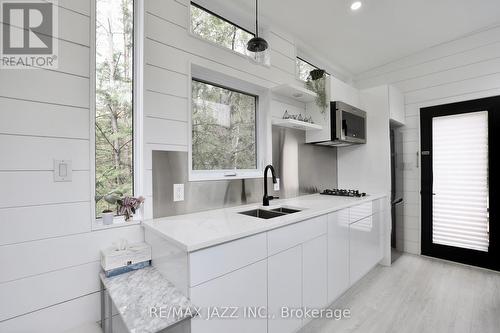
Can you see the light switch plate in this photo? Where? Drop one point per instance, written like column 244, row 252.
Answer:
column 277, row 185
column 178, row 192
column 63, row 171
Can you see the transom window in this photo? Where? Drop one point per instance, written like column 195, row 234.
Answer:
column 224, row 130
column 114, row 144
column 218, row 30
column 303, row 68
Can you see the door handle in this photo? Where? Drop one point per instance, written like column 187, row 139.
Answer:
column 397, row 201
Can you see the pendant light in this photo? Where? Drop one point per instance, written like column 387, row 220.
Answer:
column 257, row 44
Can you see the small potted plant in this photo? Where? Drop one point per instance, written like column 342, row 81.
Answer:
column 128, row 205
column 108, row 214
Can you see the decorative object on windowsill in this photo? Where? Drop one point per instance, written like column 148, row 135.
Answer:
column 258, row 46
column 128, row 205
column 111, row 199
column 316, row 81
column 107, row 217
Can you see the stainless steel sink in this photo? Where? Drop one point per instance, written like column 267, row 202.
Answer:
column 262, row 213
column 269, row 214
column 285, row 210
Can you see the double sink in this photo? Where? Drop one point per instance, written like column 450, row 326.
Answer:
column 271, row 213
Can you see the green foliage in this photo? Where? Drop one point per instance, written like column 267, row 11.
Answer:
column 303, row 69
column 114, row 114
column 218, row 31
column 223, row 128
column 316, row 81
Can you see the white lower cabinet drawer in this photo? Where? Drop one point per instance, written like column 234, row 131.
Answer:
column 364, row 247
column 315, row 273
column 215, row 261
column 338, row 253
column 284, row 289
column 286, row 237
column 379, row 205
column 359, row 212
column 245, row 288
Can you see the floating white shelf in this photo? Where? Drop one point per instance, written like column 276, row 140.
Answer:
column 296, row 92
column 297, row 124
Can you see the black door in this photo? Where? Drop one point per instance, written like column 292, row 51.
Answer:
column 460, row 181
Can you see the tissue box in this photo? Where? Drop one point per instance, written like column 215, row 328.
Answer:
column 126, row 269
column 113, row 258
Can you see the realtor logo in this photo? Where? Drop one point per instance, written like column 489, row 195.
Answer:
column 29, row 34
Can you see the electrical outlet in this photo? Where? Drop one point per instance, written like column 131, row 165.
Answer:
column 178, row 192
column 277, row 185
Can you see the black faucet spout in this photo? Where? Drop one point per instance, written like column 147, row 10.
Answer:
column 266, row 198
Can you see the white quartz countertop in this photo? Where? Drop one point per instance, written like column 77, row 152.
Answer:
column 192, row 232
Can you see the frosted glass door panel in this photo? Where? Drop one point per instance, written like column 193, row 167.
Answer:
column 460, row 180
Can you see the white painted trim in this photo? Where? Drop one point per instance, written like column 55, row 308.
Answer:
column 92, row 97
column 119, row 223
column 138, row 88
column 138, row 98
column 245, row 56
column 262, row 122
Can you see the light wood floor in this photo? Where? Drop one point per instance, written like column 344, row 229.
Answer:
column 419, row 294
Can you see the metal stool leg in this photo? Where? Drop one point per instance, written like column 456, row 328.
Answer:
column 103, row 306
column 110, row 314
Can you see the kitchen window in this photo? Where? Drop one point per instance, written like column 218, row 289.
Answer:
column 114, row 111
column 223, row 132
column 216, row 29
column 303, row 68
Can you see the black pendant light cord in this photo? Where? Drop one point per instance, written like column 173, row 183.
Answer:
column 256, row 18
column 257, row 44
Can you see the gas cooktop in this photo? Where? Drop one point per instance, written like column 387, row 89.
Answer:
column 343, row 193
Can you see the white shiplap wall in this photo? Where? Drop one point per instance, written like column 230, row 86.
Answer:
column 463, row 69
column 48, row 253
column 170, row 50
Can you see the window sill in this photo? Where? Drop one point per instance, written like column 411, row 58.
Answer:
column 118, row 222
column 242, row 55
column 197, row 177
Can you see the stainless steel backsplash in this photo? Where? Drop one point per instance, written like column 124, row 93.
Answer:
column 302, row 169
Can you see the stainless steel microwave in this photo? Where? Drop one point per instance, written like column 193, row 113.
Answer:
column 347, row 125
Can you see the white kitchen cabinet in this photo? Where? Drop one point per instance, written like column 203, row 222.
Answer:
column 341, row 91
column 359, row 212
column 243, row 288
column 306, row 264
column 338, row 253
column 218, row 260
column 284, row 238
column 284, row 289
column 315, row 273
column 364, row 246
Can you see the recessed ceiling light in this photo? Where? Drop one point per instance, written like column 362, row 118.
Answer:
column 356, row 5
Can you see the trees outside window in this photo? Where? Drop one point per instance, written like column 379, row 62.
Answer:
column 303, row 69
column 218, row 30
column 113, row 104
column 223, row 128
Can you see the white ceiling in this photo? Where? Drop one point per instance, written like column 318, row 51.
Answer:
column 381, row 31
